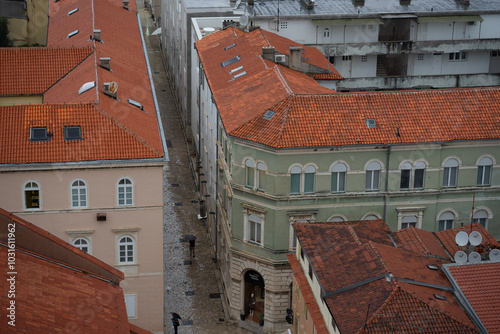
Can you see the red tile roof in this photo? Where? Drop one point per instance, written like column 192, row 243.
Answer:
column 355, row 296
column 402, row 117
column 305, row 290
column 121, row 41
column 420, row 241
column 32, row 71
column 480, row 286
column 103, row 137
column 447, row 238
column 58, row 288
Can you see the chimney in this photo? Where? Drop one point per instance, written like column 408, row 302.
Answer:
column 97, row 34
column 309, row 3
column 295, row 57
column 125, row 4
column 268, row 52
column 105, row 63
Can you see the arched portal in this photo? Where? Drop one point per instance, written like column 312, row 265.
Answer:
column 254, row 284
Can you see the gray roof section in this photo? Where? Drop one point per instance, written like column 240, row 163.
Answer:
column 206, row 3
column 12, row 9
column 370, row 8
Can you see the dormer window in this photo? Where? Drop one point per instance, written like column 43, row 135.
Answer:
column 39, row 134
column 72, row 11
column 73, row 33
column 72, row 133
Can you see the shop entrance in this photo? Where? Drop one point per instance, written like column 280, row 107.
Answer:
column 254, row 284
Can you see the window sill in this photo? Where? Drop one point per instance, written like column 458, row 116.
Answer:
column 254, row 243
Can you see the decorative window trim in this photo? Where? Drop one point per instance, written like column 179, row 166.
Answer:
column 489, row 214
column 83, row 234
column 482, row 170
column 418, row 211
column 332, row 218
column 440, row 213
column 298, row 216
column 249, row 210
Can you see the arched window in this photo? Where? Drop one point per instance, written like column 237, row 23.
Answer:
column 125, row 192
column 484, row 171
column 373, row 175
column 78, row 194
column 249, row 173
column 126, row 250
column 261, row 173
column 326, row 32
column 82, row 244
column 418, row 179
column 480, row 216
column 450, row 173
column 405, row 176
column 31, row 196
column 370, row 217
column 255, row 229
column 336, row 219
column 295, row 180
column 309, row 179
column 446, row 221
column 338, row 177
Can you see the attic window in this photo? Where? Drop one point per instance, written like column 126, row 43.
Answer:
column 236, row 69
column 440, row 297
column 72, row 133
column 39, row 134
column 432, row 267
column 269, row 114
column 239, row 75
column 72, row 11
column 370, row 123
column 230, row 61
column 136, row 104
column 73, row 33
column 230, row 46
column 86, row 86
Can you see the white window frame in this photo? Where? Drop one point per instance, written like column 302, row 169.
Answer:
column 249, row 173
column 370, row 216
column 450, row 166
column 80, row 246
column 404, row 212
column 131, row 305
column 258, row 216
column 480, row 209
column 419, row 165
column 81, row 234
column 79, row 188
column 260, row 173
column 444, row 216
column 373, row 168
column 337, row 218
column 296, row 170
column 28, row 186
column 484, row 168
column 406, row 166
column 309, row 170
column 458, row 56
column 132, row 243
column 338, row 172
column 125, row 186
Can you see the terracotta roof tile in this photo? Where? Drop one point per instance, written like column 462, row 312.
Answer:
column 420, row 241
column 31, row 71
column 447, row 238
column 103, row 137
column 479, row 284
column 340, row 119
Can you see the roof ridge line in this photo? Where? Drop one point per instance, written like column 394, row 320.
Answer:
column 384, row 304
column 127, row 130
column 414, row 231
column 282, row 79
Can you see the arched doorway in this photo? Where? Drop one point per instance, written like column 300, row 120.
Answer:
column 254, row 283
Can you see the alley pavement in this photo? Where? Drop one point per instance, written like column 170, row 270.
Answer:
column 191, row 287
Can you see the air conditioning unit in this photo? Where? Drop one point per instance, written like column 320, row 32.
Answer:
column 279, row 58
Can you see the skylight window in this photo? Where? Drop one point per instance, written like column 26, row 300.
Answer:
column 72, row 133
column 72, row 11
column 135, row 103
column 73, row 33
column 269, row 114
column 440, row 297
column 230, row 61
column 86, row 86
column 230, row 46
column 370, row 123
column 39, row 134
column 239, row 75
column 236, row 69
column 432, row 267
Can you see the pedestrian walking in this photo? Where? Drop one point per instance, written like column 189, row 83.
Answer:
column 175, row 321
column 191, row 239
column 251, row 304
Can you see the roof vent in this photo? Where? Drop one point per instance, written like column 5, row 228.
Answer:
column 239, row 75
column 230, row 46
column 72, row 11
column 309, row 3
column 136, row 104
column 86, row 86
column 236, row 69
column 97, row 34
column 105, row 63
column 370, row 123
column 73, row 33
column 125, row 4
column 269, row 114
column 110, row 89
column 230, row 61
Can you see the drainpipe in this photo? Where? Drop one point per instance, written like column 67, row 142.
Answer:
column 387, row 159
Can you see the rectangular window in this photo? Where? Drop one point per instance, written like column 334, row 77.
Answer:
column 249, row 177
column 483, row 175
column 418, row 182
column 283, row 24
column 32, row 199
column 364, row 59
column 458, row 56
column 420, row 56
column 332, row 60
column 261, row 175
column 255, row 231
column 450, row 177
column 295, row 184
column 72, row 133
column 405, row 179
column 372, row 179
column 338, row 181
column 310, row 272
column 445, row 224
column 38, row 134
column 309, row 183
column 346, row 58
column 130, row 306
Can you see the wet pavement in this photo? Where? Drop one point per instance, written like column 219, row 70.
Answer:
column 190, row 284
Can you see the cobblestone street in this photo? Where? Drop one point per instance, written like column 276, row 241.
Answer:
column 190, row 284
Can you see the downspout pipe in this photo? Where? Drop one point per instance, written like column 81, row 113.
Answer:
column 387, row 160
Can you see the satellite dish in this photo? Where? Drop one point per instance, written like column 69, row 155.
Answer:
column 474, row 257
column 113, row 87
column 244, row 20
column 462, row 238
column 475, row 238
column 460, row 257
column 495, row 255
